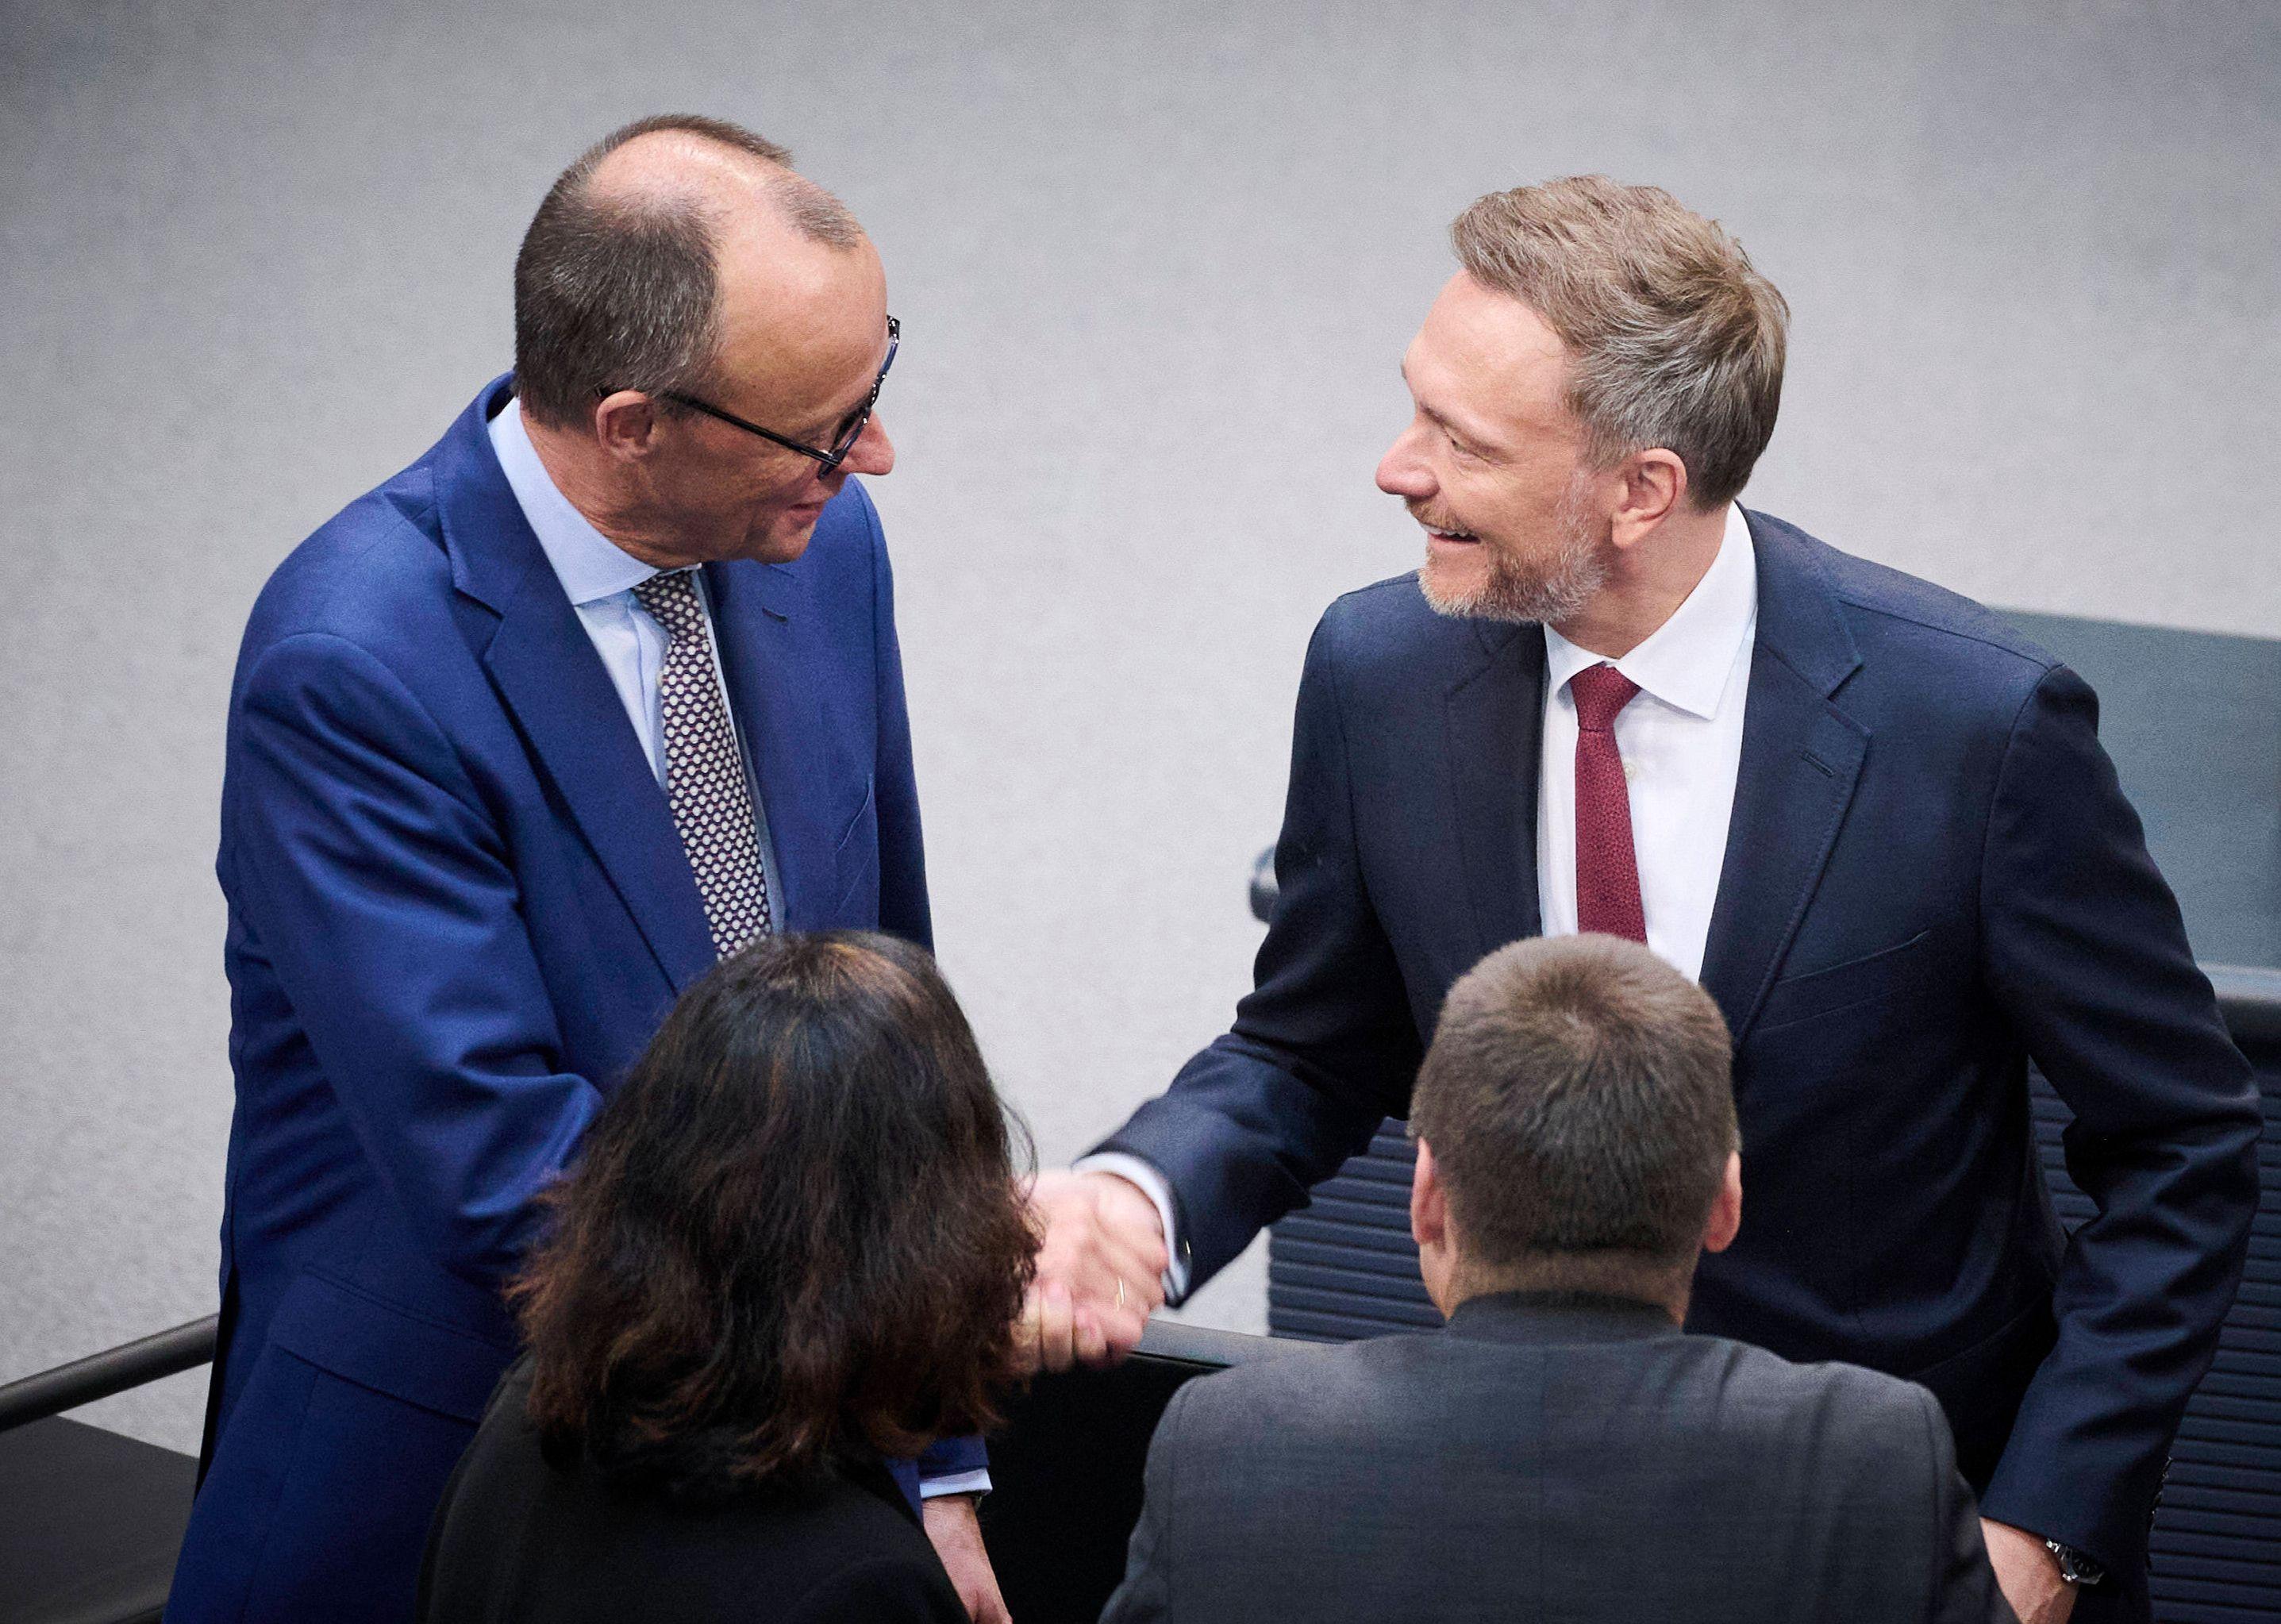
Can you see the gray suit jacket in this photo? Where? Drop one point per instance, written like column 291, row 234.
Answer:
column 1551, row 1457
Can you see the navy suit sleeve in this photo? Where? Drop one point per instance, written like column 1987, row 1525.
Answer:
column 903, row 908
column 376, row 885
column 2087, row 955
column 1324, row 1045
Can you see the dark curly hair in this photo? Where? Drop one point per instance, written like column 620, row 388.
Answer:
column 793, row 1235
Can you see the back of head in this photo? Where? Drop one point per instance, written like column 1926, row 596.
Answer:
column 617, row 285
column 1579, row 1105
column 1674, row 338
column 793, row 1234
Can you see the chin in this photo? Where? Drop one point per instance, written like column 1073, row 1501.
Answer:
column 783, row 543
column 1450, row 592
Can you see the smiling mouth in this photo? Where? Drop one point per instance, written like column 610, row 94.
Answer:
column 1441, row 532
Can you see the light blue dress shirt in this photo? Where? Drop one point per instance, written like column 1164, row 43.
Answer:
column 598, row 578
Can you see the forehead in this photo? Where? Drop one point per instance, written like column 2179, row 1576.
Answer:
column 803, row 324
column 1484, row 358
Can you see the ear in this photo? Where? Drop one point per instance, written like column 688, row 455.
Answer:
column 1654, row 484
column 1726, row 1219
column 1429, row 1207
column 626, row 425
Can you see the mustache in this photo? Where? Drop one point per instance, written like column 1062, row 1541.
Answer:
column 1435, row 523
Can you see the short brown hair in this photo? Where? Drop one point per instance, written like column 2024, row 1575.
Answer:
column 1674, row 339
column 1579, row 1102
column 612, row 294
column 794, row 1236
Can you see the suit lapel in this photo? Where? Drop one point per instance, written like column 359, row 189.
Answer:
column 1493, row 719
column 545, row 667
column 1801, row 759
column 774, row 692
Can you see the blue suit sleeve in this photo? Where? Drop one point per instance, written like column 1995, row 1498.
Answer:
column 377, row 886
column 1323, row 1047
column 903, row 908
column 2087, row 955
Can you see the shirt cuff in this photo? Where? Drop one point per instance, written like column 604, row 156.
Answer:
column 1152, row 1184
column 974, row 1482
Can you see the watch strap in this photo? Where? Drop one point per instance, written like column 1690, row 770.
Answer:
column 2075, row 1567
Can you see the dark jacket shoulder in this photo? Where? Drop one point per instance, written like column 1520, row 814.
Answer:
column 1894, row 613
column 520, row 1536
column 1543, row 1458
column 1696, row 1382
column 1384, row 642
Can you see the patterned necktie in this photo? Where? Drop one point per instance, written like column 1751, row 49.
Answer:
column 704, row 771
column 1607, row 868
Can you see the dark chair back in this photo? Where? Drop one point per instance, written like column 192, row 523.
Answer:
column 1066, row 1470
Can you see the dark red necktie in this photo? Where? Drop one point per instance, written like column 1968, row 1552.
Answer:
column 1607, row 869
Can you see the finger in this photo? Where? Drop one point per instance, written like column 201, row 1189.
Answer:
column 1056, row 1327
column 1140, row 1268
column 1133, row 1251
column 1096, row 1276
column 1092, row 1342
column 1122, row 1332
column 1090, row 1258
column 1029, row 1336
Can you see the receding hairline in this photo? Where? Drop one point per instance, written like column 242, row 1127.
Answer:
column 674, row 170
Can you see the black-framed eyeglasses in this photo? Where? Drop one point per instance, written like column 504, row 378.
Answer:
column 848, row 436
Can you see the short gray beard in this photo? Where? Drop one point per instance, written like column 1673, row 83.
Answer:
column 1550, row 592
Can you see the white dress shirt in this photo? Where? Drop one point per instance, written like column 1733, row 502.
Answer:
column 598, row 577
column 1682, row 741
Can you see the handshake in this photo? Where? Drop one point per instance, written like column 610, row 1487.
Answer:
column 1101, row 1263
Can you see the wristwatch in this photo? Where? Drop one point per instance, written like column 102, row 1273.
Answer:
column 2075, row 1567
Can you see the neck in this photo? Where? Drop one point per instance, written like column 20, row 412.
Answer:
column 1647, row 581
column 589, row 485
column 1668, row 1290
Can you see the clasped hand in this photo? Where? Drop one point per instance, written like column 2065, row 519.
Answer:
column 1101, row 1267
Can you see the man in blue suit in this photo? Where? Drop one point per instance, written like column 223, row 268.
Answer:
column 602, row 686
column 1874, row 822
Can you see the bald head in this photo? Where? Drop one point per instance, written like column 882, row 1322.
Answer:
column 618, row 284
column 716, row 168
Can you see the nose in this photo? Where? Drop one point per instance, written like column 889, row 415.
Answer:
column 1402, row 472
column 873, row 451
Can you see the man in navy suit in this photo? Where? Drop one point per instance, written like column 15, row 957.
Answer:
column 1874, row 822
column 602, row 686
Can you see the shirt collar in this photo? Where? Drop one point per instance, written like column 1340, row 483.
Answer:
column 1686, row 661
column 589, row 564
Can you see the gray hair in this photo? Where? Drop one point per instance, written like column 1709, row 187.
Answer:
column 1674, row 339
column 615, row 293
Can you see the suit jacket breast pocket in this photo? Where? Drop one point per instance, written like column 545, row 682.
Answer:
column 1869, row 978
column 856, row 859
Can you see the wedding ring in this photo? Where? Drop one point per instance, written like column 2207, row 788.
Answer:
column 1120, row 1291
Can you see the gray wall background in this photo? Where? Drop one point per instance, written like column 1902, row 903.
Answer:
column 1155, row 265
